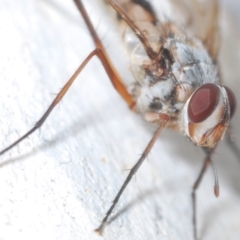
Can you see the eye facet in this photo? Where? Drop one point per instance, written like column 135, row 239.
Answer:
column 203, row 102
column 232, row 101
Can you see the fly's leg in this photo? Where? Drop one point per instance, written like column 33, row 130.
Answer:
column 206, row 163
column 231, row 143
column 111, row 72
column 194, row 189
column 139, row 34
column 163, row 119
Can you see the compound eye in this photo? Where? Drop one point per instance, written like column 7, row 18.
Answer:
column 203, row 102
column 232, row 101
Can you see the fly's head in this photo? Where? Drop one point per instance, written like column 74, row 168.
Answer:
column 206, row 114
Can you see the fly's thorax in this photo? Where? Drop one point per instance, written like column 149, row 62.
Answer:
column 165, row 86
column 192, row 63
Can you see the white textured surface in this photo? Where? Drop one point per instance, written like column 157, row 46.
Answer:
column 59, row 182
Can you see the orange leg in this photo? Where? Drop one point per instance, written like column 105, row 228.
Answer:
column 111, row 72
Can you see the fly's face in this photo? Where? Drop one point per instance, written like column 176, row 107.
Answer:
column 207, row 113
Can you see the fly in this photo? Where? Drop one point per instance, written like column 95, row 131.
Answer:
column 177, row 83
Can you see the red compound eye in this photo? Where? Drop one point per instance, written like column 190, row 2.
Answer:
column 232, row 101
column 203, row 102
